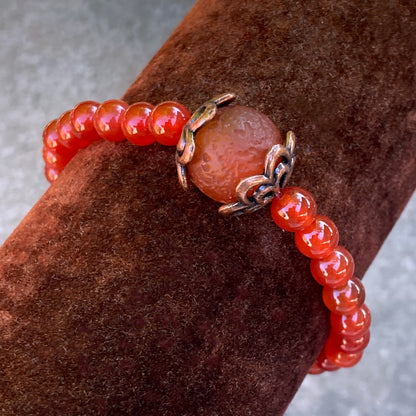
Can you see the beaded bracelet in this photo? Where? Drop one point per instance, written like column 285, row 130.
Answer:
column 220, row 130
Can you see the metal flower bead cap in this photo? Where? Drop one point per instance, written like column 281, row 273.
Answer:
column 235, row 155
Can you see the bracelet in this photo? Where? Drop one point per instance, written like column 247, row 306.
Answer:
column 234, row 143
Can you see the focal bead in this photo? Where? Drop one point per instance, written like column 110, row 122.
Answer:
column 135, row 124
column 293, row 209
column 107, row 120
column 345, row 299
column 334, row 270
column 229, row 148
column 318, row 239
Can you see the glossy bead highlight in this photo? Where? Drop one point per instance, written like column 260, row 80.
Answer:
column 135, row 124
column 107, row 120
column 52, row 173
column 341, row 358
column 67, row 135
column 293, row 209
column 82, row 119
column 352, row 325
column 334, row 270
column 318, row 239
column 55, row 159
column 167, row 121
column 345, row 299
column 51, row 139
column 325, row 363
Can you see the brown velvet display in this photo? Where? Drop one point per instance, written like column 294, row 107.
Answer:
column 120, row 294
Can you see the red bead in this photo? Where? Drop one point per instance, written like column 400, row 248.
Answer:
column 107, row 120
column 51, row 139
column 325, row 363
column 316, row 369
column 66, row 133
column 54, row 159
column 82, row 118
column 345, row 299
column 318, row 239
column 352, row 325
column 167, row 121
column 339, row 357
column 52, row 173
column 135, row 124
column 334, row 270
column 335, row 343
column 293, row 209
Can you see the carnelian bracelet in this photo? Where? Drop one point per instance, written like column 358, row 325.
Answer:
column 255, row 143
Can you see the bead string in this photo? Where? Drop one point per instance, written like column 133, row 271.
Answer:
column 293, row 209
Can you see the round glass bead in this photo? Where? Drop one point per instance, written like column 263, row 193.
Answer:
column 66, row 133
column 352, row 325
column 341, row 358
column 318, row 239
column 82, row 119
column 293, row 208
column 334, row 270
column 51, row 139
column 167, row 121
column 316, row 369
column 52, row 173
column 54, row 159
column 345, row 299
column 354, row 344
column 231, row 147
column 135, row 124
column 325, row 363
column 107, row 120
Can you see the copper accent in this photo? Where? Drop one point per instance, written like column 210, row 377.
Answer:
column 186, row 145
column 257, row 191
column 254, row 192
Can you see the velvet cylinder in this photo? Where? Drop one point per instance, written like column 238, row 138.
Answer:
column 120, row 293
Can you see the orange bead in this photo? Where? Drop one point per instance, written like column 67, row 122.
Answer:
column 339, row 357
column 231, row 147
column 352, row 345
column 54, row 159
column 135, row 124
column 82, row 119
column 66, row 133
column 334, row 270
column 316, row 369
column 167, row 121
column 336, row 343
column 51, row 139
column 345, row 299
column 52, row 173
column 352, row 325
column 318, row 239
column 293, row 209
column 325, row 363
column 107, row 120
